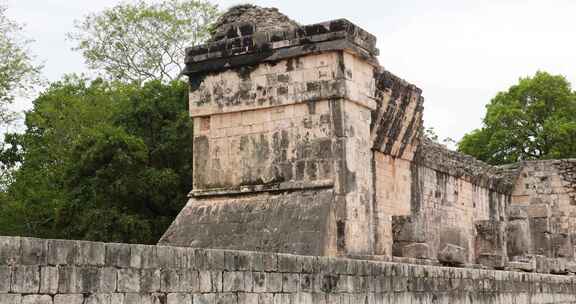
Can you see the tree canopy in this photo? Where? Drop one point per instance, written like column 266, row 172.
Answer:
column 18, row 73
column 100, row 161
column 534, row 119
column 143, row 40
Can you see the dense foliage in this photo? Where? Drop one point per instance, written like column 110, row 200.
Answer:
column 99, row 161
column 143, row 40
column 534, row 119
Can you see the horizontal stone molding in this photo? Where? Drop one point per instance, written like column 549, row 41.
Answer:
column 275, row 187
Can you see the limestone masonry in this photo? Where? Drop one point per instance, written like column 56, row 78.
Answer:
column 305, row 144
column 313, row 183
column 35, row 271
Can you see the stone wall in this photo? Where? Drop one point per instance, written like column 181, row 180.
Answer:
column 544, row 210
column 36, row 271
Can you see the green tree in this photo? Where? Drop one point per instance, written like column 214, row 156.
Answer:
column 18, row 73
column 534, row 119
column 143, row 41
column 100, row 161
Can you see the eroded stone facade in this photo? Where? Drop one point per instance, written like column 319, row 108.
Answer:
column 304, row 144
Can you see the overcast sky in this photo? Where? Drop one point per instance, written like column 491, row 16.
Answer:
column 461, row 53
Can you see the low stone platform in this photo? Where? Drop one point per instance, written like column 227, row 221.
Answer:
column 79, row 272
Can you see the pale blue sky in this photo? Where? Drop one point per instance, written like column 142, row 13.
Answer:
column 461, row 53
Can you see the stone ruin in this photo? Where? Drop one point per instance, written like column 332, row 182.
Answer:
column 313, row 184
column 305, row 144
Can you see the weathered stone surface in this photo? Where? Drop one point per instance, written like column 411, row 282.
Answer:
column 452, row 255
column 118, row 255
column 68, row 299
column 10, row 251
column 34, row 251
column 62, row 252
column 129, row 280
column 91, row 253
column 36, row 299
column 417, row 251
column 5, row 277
column 25, row 279
column 48, row 280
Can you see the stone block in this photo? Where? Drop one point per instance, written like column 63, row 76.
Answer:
column 10, row 250
column 266, row 298
column 409, row 229
column 490, row 238
column 227, row 298
column 150, row 280
column 178, row 280
column 452, row 255
column 129, row 280
column 233, row 281
column 270, row 261
column 237, row 260
column 91, row 253
column 493, row 261
column 205, row 281
column 166, row 257
column 517, row 213
column 520, row 266
column 25, row 279
column 67, row 277
column 118, row 298
column 108, row 279
column 62, row 252
column 143, row 256
column 248, row 281
column 69, row 299
column 5, row 278
column 178, row 298
column 48, row 280
column 88, row 279
column 6, row 298
column 205, row 298
column 538, row 211
column 307, row 282
column 136, row 298
column 98, row 298
column 216, row 281
column 570, row 267
column 417, row 251
column 37, row 299
column 118, row 255
column 273, row 282
column 561, row 245
column 519, row 238
column 544, row 264
column 34, row 251
column 288, row 263
column 259, row 282
column 247, row 298
column 215, row 259
column 290, row 282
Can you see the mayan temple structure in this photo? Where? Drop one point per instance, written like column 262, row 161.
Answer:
column 305, row 144
column 313, row 183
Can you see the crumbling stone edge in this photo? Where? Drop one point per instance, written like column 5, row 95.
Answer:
column 62, row 271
